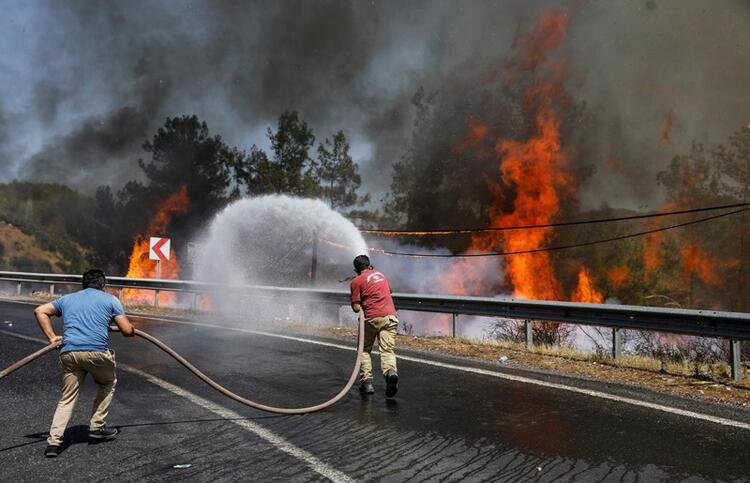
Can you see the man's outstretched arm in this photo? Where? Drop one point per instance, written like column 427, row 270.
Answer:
column 124, row 325
column 43, row 314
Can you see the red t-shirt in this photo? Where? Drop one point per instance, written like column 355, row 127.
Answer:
column 371, row 289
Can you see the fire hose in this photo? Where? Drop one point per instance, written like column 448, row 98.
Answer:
column 221, row 389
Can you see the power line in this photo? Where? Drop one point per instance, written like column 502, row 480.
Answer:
column 562, row 247
column 547, row 225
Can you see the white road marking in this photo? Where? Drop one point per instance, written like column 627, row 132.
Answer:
column 274, row 439
column 500, row 375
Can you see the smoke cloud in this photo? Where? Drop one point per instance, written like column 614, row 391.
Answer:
column 95, row 81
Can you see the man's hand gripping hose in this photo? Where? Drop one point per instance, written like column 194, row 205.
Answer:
column 212, row 383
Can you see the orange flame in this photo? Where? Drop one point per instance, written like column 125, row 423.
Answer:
column 536, row 169
column 585, row 292
column 695, row 260
column 141, row 266
column 618, row 275
column 533, row 47
column 477, row 133
column 652, row 252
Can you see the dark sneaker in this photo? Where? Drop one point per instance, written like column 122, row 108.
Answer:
column 52, row 451
column 391, row 383
column 103, row 433
column 366, row 387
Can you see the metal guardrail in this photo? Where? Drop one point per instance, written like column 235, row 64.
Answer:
column 708, row 323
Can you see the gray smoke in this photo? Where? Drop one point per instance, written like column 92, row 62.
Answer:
column 105, row 77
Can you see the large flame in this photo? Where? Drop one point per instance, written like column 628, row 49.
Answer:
column 141, row 266
column 535, row 170
column 585, row 292
column 697, row 262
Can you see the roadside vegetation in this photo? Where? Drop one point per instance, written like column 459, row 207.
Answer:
column 53, row 228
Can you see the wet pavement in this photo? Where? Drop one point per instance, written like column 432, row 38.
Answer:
column 445, row 424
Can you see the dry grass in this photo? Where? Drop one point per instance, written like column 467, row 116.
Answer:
column 16, row 243
column 708, row 382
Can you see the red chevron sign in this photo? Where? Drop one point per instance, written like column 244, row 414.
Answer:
column 158, row 249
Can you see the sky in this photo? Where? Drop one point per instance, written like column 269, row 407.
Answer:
column 85, row 83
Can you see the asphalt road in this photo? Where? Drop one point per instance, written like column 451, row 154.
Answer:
column 452, row 419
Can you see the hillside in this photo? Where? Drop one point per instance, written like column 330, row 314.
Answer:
column 22, row 252
column 42, row 228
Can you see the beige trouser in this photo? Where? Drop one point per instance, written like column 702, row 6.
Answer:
column 384, row 330
column 75, row 365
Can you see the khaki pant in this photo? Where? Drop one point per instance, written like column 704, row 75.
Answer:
column 75, row 365
column 384, row 330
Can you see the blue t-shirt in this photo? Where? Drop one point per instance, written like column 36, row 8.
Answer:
column 86, row 317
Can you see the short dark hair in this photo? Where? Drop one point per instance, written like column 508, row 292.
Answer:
column 94, row 278
column 361, row 262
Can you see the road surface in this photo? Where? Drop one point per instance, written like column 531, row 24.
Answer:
column 453, row 419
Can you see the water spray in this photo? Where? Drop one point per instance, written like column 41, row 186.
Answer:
column 263, row 240
column 213, row 384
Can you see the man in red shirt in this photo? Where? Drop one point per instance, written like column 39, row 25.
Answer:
column 371, row 293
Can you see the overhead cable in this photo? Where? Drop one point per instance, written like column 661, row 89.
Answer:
column 547, row 225
column 559, row 247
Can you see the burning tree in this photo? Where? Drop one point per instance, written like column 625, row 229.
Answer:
column 140, row 265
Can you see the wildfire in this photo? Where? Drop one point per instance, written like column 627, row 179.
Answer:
column 533, row 47
column 618, row 275
column 478, row 131
column 536, row 170
column 696, row 261
column 141, row 266
column 585, row 292
column 652, row 252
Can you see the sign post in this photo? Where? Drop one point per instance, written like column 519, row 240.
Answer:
column 158, row 249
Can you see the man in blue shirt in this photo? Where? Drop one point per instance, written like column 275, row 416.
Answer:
column 85, row 350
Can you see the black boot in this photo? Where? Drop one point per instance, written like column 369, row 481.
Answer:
column 366, row 387
column 391, row 383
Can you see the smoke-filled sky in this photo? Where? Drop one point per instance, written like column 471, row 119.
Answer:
column 85, row 82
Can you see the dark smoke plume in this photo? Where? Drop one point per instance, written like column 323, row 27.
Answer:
column 108, row 75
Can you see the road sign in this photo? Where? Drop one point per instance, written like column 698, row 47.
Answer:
column 158, row 248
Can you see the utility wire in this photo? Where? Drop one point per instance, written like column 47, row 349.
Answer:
column 547, row 225
column 562, row 247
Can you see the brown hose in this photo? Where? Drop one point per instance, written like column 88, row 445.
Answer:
column 28, row 359
column 161, row 345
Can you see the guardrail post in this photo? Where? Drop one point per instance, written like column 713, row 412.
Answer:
column 156, row 298
column 616, row 343
column 529, row 334
column 18, row 289
column 735, row 348
column 119, row 294
column 52, row 290
column 195, row 301
column 455, row 325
